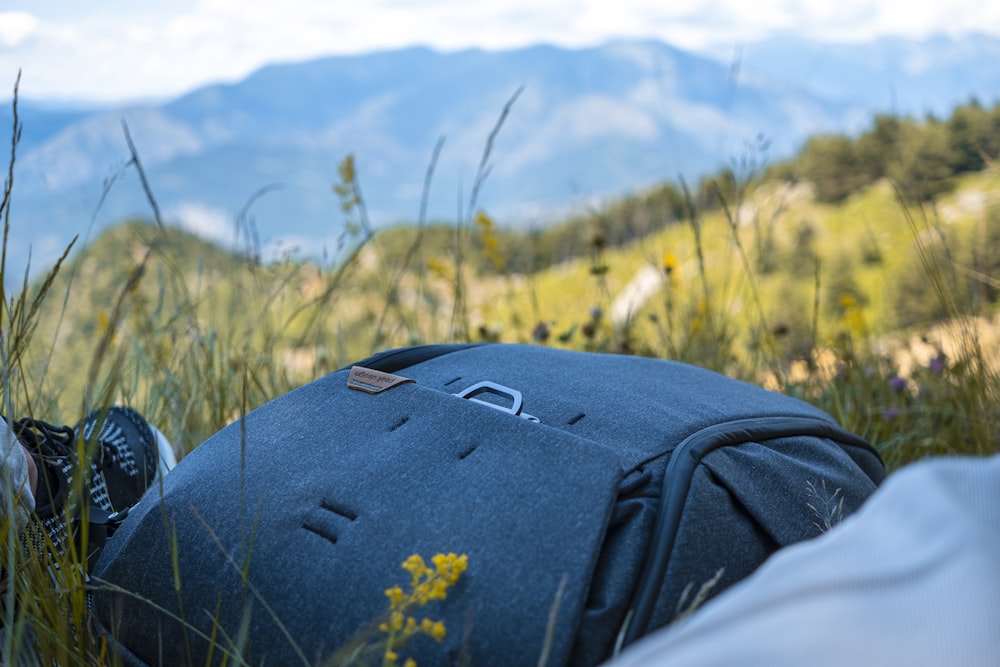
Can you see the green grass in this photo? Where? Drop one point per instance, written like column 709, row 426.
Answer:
column 802, row 297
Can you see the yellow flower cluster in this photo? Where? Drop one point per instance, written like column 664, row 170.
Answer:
column 669, row 264
column 347, row 188
column 853, row 314
column 426, row 584
column 491, row 241
column 437, row 266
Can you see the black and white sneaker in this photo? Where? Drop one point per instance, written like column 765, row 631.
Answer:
column 132, row 453
column 123, row 456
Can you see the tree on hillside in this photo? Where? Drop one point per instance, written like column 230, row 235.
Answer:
column 668, row 201
column 878, row 148
column 714, row 191
column 834, row 167
column 992, row 148
column 923, row 170
column 969, row 137
column 921, row 157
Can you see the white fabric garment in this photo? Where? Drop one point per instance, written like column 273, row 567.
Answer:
column 14, row 486
column 912, row 579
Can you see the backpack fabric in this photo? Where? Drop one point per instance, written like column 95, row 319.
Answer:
column 596, row 496
column 911, row 579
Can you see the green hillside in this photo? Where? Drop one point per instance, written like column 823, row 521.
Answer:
column 776, row 289
column 871, row 295
column 791, row 275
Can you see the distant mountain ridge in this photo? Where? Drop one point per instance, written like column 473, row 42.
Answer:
column 591, row 123
column 893, row 74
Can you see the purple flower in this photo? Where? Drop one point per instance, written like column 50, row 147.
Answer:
column 897, row 383
column 937, row 364
column 890, row 413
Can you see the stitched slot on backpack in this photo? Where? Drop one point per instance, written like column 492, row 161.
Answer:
column 399, row 423
column 341, row 511
column 320, row 526
column 576, row 419
column 467, row 452
column 452, row 381
column 316, row 530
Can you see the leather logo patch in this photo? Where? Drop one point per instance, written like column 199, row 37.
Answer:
column 371, row 381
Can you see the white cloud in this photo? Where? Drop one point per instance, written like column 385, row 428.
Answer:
column 17, row 27
column 188, row 28
column 210, row 224
column 164, row 47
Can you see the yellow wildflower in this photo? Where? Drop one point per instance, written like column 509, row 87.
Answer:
column 433, row 629
column 439, row 267
column 847, row 301
column 395, row 595
column 669, row 262
column 491, row 242
column 426, row 584
column 346, row 169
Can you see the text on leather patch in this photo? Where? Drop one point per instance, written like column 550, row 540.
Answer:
column 372, row 381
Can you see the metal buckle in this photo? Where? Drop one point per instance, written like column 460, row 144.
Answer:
column 487, row 387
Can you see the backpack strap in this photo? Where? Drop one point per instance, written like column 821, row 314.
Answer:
column 677, row 482
column 391, row 361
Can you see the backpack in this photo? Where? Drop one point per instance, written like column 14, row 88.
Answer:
column 596, row 497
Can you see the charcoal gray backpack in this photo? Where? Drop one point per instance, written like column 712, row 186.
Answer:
column 595, row 497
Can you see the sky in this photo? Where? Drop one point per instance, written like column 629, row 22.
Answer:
column 123, row 50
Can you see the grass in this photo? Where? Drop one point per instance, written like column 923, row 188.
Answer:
column 772, row 288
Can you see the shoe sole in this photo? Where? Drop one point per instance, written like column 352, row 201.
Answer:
column 166, row 459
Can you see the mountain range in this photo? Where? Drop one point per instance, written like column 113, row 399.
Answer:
column 587, row 124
